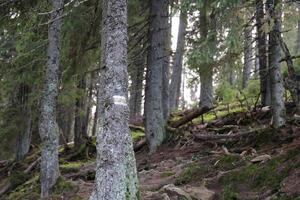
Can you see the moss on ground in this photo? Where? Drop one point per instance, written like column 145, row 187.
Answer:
column 70, row 167
column 137, row 134
column 259, row 177
column 28, row 191
column 166, row 174
column 228, row 162
column 193, row 172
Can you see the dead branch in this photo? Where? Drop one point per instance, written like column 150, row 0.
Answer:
column 231, row 136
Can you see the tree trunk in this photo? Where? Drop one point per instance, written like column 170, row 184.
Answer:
column 247, row 56
column 136, row 88
column 24, row 137
column 116, row 176
column 277, row 89
column 206, row 92
column 262, row 55
column 206, row 72
column 80, row 126
column 48, row 126
column 154, row 121
column 298, row 33
column 178, row 61
column 166, row 63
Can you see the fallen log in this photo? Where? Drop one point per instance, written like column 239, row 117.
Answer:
column 136, row 128
column 140, row 144
column 190, row 116
column 228, row 136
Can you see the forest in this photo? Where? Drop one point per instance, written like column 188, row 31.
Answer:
column 150, row 99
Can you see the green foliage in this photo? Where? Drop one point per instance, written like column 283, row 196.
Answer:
column 167, row 174
column 226, row 92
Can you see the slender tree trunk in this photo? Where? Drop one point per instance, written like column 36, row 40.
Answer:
column 178, row 62
column 262, row 55
column 116, row 177
column 24, row 137
column 80, row 126
column 247, row 56
column 166, row 64
column 154, row 120
column 136, row 88
column 277, row 89
column 48, row 126
column 96, row 117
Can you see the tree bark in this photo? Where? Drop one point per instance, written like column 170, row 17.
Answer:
column 80, row 126
column 247, row 56
column 136, row 87
column 206, row 72
column 298, row 33
column 116, row 170
column 48, row 126
column 262, row 55
column 154, row 120
column 277, row 89
column 178, row 62
column 166, row 63
column 24, row 137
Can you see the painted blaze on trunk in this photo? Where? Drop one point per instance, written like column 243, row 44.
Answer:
column 116, row 170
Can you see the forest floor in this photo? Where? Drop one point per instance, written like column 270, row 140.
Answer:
column 237, row 156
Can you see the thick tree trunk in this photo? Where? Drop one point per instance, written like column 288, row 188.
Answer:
column 206, row 92
column 48, row 126
column 248, row 63
column 206, row 73
column 116, row 176
column 262, row 55
column 80, row 126
column 154, row 120
column 178, row 61
column 136, row 88
column 277, row 89
column 166, row 64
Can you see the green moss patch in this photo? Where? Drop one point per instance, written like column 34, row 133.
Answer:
column 228, row 162
column 137, row 135
column 259, row 177
column 192, row 173
column 166, row 174
column 70, row 167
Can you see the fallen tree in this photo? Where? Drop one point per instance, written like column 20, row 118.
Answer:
column 189, row 116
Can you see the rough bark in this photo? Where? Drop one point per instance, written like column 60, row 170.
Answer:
column 247, row 56
column 136, row 87
column 154, row 121
column 178, row 61
column 262, row 55
column 298, row 33
column 116, row 171
column 80, row 126
column 166, row 63
column 48, row 128
column 277, row 89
